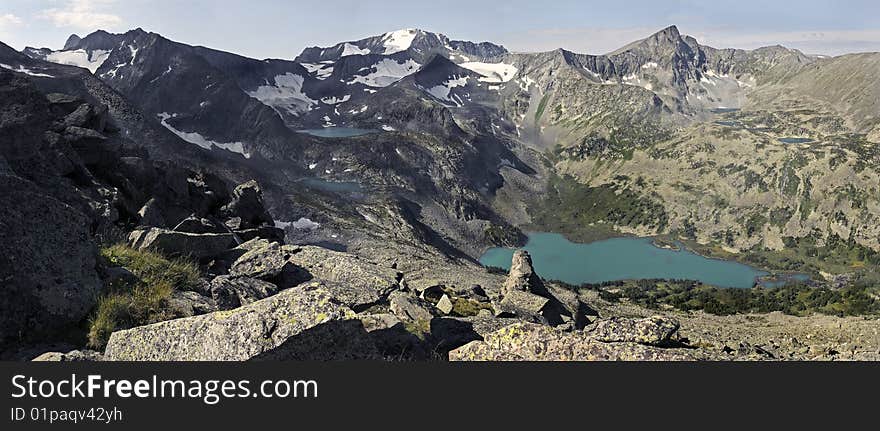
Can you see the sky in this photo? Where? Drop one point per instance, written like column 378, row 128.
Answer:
column 281, row 29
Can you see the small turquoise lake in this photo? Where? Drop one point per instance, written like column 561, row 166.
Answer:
column 555, row 257
column 338, row 132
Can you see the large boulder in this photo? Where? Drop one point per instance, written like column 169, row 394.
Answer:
column 534, row 342
column 171, row 243
column 48, row 279
column 263, row 259
column 409, row 307
column 295, row 324
column 523, row 304
column 233, row 292
column 346, row 269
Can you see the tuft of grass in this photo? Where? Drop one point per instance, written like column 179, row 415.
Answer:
column 130, row 303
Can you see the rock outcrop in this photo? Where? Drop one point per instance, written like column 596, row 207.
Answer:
column 295, row 324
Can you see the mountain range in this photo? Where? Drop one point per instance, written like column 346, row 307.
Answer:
column 420, row 151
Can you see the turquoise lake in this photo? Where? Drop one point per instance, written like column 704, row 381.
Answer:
column 338, row 132
column 555, row 257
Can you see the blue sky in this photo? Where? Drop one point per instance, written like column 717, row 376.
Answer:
column 273, row 28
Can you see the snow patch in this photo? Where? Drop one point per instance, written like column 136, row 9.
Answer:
column 334, row 100
column 386, row 72
column 441, row 92
column 387, row 128
column 286, row 94
column 350, row 49
column 80, row 58
column 492, row 72
column 398, row 41
column 303, row 223
column 24, row 70
column 195, row 138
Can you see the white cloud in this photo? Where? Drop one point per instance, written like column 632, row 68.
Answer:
column 8, row 22
column 83, row 15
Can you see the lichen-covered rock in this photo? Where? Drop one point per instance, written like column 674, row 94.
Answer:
column 171, row 243
column 533, row 342
column 232, row 292
column 654, row 330
column 523, row 304
column 346, row 269
column 188, row 303
column 294, row 324
column 408, row 307
column 263, row 260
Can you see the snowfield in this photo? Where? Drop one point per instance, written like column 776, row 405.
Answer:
column 492, row 72
column 398, row 41
column 195, row 138
column 286, row 94
column 350, row 49
column 24, row 70
column 80, row 58
column 386, row 72
column 441, row 92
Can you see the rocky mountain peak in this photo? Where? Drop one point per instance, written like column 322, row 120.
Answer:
column 72, row 42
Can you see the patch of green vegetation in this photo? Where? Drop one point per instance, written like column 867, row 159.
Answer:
column 138, row 300
column 464, row 307
column 541, row 106
column 579, row 210
column 421, row 328
column 796, row 299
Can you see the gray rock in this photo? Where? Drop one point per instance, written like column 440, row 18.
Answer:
column 293, row 325
column 655, row 330
column 346, row 269
column 445, row 304
column 151, row 214
column 522, row 304
column 48, row 280
column 171, row 243
column 194, row 224
column 232, row 292
column 522, row 276
column 265, row 260
column 187, row 304
column 408, row 307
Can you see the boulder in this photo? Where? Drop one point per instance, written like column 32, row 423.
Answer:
column 151, row 214
column 232, row 292
column 408, row 307
column 296, row 324
column 271, row 233
column 264, row 260
column 445, row 304
column 194, row 224
column 188, row 303
column 171, row 243
column 533, row 342
column 655, row 331
column 48, row 279
column 522, row 275
column 522, row 304
column 346, row 269
column 247, row 204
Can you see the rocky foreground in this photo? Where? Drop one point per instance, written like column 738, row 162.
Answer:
column 347, row 307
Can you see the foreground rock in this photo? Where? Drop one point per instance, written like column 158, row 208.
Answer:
column 655, row 330
column 533, row 342
column 171, row 243
column 71, row 356
column 296, row 324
